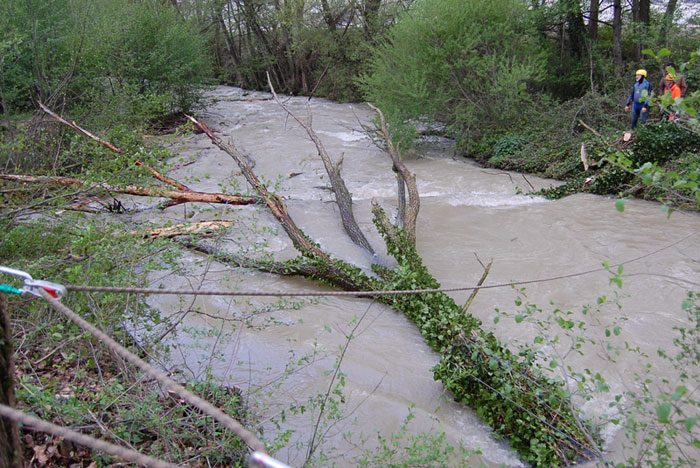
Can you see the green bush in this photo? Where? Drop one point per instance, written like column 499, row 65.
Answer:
column 462, row 62
column 147, row 60
column 661, row 142
column 38, row 51
column 127, row 59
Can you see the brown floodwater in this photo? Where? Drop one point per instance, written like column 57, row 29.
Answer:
column 282, row 351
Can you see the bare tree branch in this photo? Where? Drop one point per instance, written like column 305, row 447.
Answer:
column 404, row 178
column 175, row 196
column 342, row 195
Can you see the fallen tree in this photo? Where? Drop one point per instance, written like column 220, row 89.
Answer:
column 531, row 410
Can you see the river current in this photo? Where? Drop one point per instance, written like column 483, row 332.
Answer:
column 282, row 352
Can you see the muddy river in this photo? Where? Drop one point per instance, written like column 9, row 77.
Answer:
column 282, row 352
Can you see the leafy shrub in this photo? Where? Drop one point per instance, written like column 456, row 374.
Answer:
column 462, row 62
column 108, row 56
column 660, row 142
column 37, row 51
column 146, row 51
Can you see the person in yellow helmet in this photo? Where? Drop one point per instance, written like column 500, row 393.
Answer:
column 673, row 88
column 639, row 98
column 672, row 69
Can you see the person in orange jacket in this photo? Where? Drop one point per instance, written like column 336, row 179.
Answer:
column 673, row 88
column 679, row 79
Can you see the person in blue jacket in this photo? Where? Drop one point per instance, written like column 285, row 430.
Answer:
column 639, row 98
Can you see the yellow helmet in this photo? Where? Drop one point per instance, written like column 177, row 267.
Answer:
column 641, row 71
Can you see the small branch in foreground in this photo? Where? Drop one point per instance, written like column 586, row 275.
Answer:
column 202, row 228
column 405, row 179
column 111, row 147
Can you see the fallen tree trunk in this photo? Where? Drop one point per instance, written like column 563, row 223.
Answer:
column 175, row 196
column 530, row 409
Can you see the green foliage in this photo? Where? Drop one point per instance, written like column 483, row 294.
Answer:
column 38, row 47
column 661, row 142
column 427, row 449
column 70, row 378
column 608, row 181
column 147, row 51
column 464, row 63
column 550, row 145
column 129, row 59
column 508, row 393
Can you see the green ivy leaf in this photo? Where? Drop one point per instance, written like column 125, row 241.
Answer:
column 519, row 318
column 680, row 391
column 663, row 412
column 690, row 423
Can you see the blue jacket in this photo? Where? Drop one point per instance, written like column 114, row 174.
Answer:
column 636, row 94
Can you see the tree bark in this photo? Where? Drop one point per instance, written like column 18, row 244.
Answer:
column 230, row 43
column 342, row 195
column 593, row 16
column 667, row 21
column 576, row 29
column 617, row 36
column 406, row 181
column 640, row 17
column 370, row 17
column 10, row 448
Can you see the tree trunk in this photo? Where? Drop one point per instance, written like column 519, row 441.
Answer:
column 576, row 29
column 10, row 448
column 667, row 21
column 640, row 18
column 370, row 17
column 617, row 36
column 593, row 20
column 342, row 195
column 230, row 42
column 474, row 365
column 176, row 196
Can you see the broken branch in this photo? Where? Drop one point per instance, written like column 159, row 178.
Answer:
column 174, row 195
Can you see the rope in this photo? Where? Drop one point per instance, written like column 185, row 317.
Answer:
column 373, row 293
column 83, row 439
column 230, row 423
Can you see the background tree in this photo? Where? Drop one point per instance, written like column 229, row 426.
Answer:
column 463, row 63
column 667, row 21
column 617, row 36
